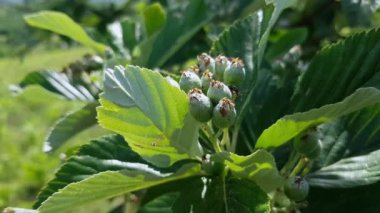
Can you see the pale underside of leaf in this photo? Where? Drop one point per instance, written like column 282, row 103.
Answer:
column 349, row 172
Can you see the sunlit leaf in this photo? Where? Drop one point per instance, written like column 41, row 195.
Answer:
column 290, row 126
column 150, row 113
column 62, row 24
column 109, row 184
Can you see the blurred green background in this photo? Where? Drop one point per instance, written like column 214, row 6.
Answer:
column 25, row 118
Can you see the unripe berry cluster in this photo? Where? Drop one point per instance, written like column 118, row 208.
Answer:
column 209, row 86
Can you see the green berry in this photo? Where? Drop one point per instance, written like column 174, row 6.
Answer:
column 217, row 91
column 224, row 114
column 172, row 82
column 221, row 63
column 189, row 80
column 206, row 80
column 200, row 105
column 235, row 73
column 296, row 188
column 212, row 167
column 308, row 145
column 206, row 62
column 315, row 152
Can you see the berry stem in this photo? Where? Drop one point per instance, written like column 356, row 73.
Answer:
column 226, row 139
column 293, row 159
column 300, row 165
column 210, row 134
column 235, row 134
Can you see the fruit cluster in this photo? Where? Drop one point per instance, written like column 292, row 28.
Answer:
column 212, row 88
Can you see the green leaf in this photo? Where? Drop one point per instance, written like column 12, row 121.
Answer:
column 130, row 29
column 62, row 24
column 150, row 113
column 178, row 30
column 279, row 6
column 284, row 41
column 290, row 126
column 270, row 102
column 154, row 18
column 109, row 184
column 69, row 125
column 222, row 194
column 59, row 83
column 349, row 172
column 259, row 167
column 161, row 204
column 350, row 64
column 353, row 135
column 103, row 154
column 108, row 153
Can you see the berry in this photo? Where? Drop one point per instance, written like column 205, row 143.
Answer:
column 206, row 62
column 189, row 80
column 235, row 73
column 200, row 105
column 296, row 188
column 217, row 91
column 224, row 114
column 206, row 80
column 221, row 63
column 172, row 82
column 308, row 145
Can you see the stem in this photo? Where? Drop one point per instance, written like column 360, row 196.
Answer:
column 219, row 133
column 132, row 203
column 224, row 175
column 298, row 167
column 226, row 139
column 307, row 169
column 210, row 134
column 235, row 134
column 294, row 157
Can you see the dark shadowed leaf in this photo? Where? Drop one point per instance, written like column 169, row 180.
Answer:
column 222, row 195
column 69, row 125
column 290, row 126
column 338, row 70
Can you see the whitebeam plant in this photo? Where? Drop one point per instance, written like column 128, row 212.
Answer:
column 252, row 126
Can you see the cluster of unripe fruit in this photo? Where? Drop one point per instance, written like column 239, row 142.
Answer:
column 212, row 88
column 309, row 145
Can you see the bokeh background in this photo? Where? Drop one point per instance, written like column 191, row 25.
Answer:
column 25, row 118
